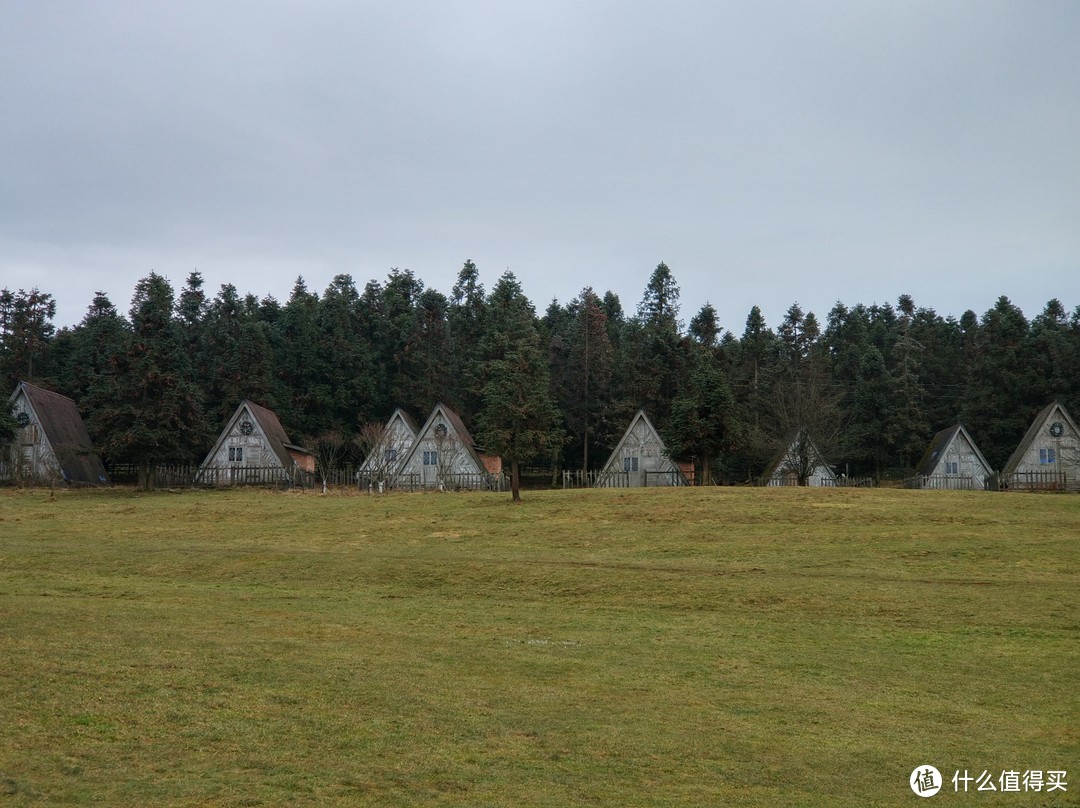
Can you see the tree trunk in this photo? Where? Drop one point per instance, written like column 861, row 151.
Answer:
column 706, row 477
column 144, row 474
column 585, row 462
column 515, row 481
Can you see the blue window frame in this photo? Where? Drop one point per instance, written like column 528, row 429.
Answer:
column 1047, row 456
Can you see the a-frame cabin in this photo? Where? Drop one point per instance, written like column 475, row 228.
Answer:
column 386, row 458
column 953, row 461
column 798, row 462
column 640, row 459
column 254, row 449
column 1048, row 457
column 443, row 456
column 52, row 444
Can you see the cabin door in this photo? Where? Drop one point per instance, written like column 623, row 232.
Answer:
column 430, row 469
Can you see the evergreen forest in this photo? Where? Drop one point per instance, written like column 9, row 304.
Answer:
column 555, row 388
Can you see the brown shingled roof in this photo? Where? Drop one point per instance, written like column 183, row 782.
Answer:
column 63, row 428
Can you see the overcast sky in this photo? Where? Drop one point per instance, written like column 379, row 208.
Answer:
column 768, row 152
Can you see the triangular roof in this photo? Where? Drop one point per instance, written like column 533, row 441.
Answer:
column 1045, row 414
column 410, row 425
column 640, row 417
column 62, row 426
column 785, row 450
column 407, row 419
column 466, row 439
column 939, row 447
column 268, row 424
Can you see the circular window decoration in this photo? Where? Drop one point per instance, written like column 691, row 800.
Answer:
column 246, row 427
column 440, row 430
column 22, row 419
column 1057, row 429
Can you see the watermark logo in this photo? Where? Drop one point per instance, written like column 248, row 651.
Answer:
column 925, row 781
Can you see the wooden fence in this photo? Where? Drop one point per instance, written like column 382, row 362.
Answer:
column 791, row 481
column 447, row 482
column 579, row 479
column 1037, row 481
column 847, row 482
column 622, row 479
column 190, row 476
column 941, row 482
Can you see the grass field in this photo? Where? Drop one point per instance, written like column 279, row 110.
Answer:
column 699, row 647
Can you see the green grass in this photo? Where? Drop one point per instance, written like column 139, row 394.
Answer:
column 687, row 647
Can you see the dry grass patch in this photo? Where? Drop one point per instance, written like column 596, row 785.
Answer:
column 689, row 647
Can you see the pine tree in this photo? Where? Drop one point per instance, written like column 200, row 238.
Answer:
column 703, row 424
column 1055, row 362
column 906, row 429
column 941, row 372
column 586, row 397
column 999, row 402
column 803, row 399
column 518, row 418
column 236, row 355
column 191, row 311
column 346, row 396
column 465, row 324
column 754, row 370
column 425, row 367
column 704, row 327
column 301, row 365
column 651, row 360
column 96, row 340
column 26, row 330
column 148, row 409
column 869, row 409
column 398, row 306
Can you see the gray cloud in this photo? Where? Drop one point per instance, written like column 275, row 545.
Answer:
column 767, row 152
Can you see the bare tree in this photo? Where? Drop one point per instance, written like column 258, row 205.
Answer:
column 801, row 458
column 383, row 451
column 807, row 414
column 449, row 450
column 330, row 448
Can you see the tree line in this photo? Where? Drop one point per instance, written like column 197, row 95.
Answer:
column 870, row 384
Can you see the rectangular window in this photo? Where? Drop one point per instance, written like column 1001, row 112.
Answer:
column 390, row 455
column 236, row 454
column 431, row 458
column 630, row 464
column 952, row 467
column 1047, row 456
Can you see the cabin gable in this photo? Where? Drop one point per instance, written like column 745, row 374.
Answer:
column 1051, row 447
column 253, row 447
column 387, row 458
column 953, row 461
column 443, row 455
column 52, row 442
column 785, row 465
column 640, row 459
